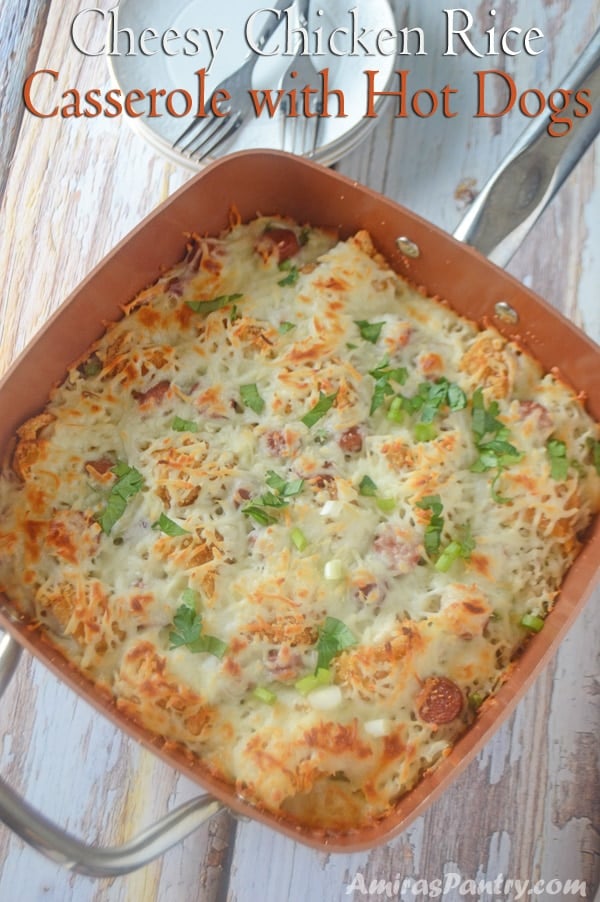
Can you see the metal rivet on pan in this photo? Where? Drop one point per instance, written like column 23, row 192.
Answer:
column 408, row 247
column 505, row 312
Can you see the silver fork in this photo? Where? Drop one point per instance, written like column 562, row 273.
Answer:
column 204, row 136
column 301, row 111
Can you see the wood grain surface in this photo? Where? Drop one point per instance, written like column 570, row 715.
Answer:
column 528, row 808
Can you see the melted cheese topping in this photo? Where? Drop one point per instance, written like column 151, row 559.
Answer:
column 268, row 530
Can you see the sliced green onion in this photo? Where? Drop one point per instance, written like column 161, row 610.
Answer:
column 298, row 538
column 532, row 622
column 323, row 677
column 396, row 410
column 286, row 326
column 251, row 398
column 333, row 569
column 264, row 695
column 451, row 553
column 259, row 514
column 557, row 453
column 385, row 505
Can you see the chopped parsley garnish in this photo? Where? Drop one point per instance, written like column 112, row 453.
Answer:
column 495, row 453
column 369, row 331
column 319, row 410
column 367, row 486
column 284, row 489
column 433, row 536
column 181, row 425
column 293, row 273
column 433, row 531
column 259, row 514
column 279, row 497
column 383, row 375
column 215, row 304
column 557, row 454
column 483, row 421
column 187, row 630
column 425, row 432
column 129, row 482
column 334, row 637
column 286, row 326
column 428, row 400
column 251, row 398
column 169, row 527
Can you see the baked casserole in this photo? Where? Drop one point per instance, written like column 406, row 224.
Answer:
column 298, row 517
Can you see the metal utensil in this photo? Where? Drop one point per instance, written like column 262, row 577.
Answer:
column 301, row 108
column 204, row 136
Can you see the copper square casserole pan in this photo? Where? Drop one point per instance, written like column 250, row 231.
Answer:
column 269, row 183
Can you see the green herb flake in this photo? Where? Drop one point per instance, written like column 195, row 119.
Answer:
column 369, row 331
column 319, row 410
column 283, row 488
column 293, row 273
column 209, row 306
column 187, row 625
column 286, row 327
column 433, row 531
column 259, row 514
column 187, row 630
column 129, row 482
column 425, row 432
column 169, row 527
column 367, row 486
column 181, row 425
column 251, row 398
column 334, row 637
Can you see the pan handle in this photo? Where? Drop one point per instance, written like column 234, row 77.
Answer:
column 526, row 181
column 70, row 852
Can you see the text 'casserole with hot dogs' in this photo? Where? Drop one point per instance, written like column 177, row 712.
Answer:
column 297, row 517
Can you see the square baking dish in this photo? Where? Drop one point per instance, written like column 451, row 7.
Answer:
column 268, row 183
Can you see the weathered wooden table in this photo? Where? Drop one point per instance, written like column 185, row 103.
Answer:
column 529, row 807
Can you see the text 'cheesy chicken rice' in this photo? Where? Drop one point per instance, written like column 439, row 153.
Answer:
column 298, row 517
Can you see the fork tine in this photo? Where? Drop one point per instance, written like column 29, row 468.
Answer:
column 199, row 132
column 300, row 133
column 224, row 130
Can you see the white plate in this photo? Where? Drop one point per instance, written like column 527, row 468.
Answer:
column 337, row 135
